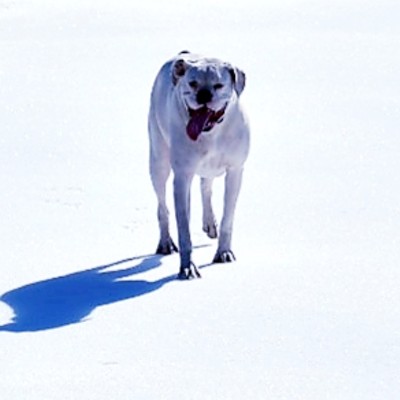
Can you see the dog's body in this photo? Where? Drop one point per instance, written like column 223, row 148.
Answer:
column 197, row 126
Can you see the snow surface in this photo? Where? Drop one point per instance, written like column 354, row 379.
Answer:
column 310, row 310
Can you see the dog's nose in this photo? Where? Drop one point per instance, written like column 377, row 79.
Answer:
column 203, row 96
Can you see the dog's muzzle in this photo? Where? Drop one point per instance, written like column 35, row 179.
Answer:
column 203, row 119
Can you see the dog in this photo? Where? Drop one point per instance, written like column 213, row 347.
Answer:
column 197, row 127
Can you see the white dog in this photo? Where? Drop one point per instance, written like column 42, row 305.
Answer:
column 196, row 126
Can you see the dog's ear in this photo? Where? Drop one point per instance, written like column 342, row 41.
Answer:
column 178, row 70
column 238, row 79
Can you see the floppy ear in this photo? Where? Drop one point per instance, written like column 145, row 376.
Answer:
column 178, row 70
column 238, row 79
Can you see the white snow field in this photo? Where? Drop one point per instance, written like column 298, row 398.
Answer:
column 310, row 310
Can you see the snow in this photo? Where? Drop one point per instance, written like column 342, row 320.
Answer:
column 309, row 310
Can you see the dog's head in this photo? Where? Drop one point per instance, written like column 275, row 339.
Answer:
column 206, row 86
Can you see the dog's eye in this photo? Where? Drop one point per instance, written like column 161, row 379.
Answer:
column 193, row 84
column 218, row 86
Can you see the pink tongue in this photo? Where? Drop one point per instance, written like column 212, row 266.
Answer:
column 198, row 120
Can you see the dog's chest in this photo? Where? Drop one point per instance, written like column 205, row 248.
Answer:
column 211, row 164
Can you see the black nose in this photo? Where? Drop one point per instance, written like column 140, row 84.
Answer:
column 203, row 96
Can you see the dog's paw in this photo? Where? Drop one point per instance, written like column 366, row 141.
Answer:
column 166, row 247
column 189, row 273
column 211, row 230
column 224, row 256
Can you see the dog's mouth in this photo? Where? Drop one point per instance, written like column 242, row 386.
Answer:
column 202, row 119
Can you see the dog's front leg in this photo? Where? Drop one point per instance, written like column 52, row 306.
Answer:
column 182, row 184
column 233, row 181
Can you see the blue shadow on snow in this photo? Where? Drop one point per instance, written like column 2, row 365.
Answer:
column 68, row 299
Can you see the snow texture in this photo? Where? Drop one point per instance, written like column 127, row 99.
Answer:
column 310, row 309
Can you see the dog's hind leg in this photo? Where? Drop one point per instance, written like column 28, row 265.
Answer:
column 233, row 181
column 209, row 223
column 160, row 169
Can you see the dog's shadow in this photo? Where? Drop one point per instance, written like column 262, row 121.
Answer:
column 69, row 299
